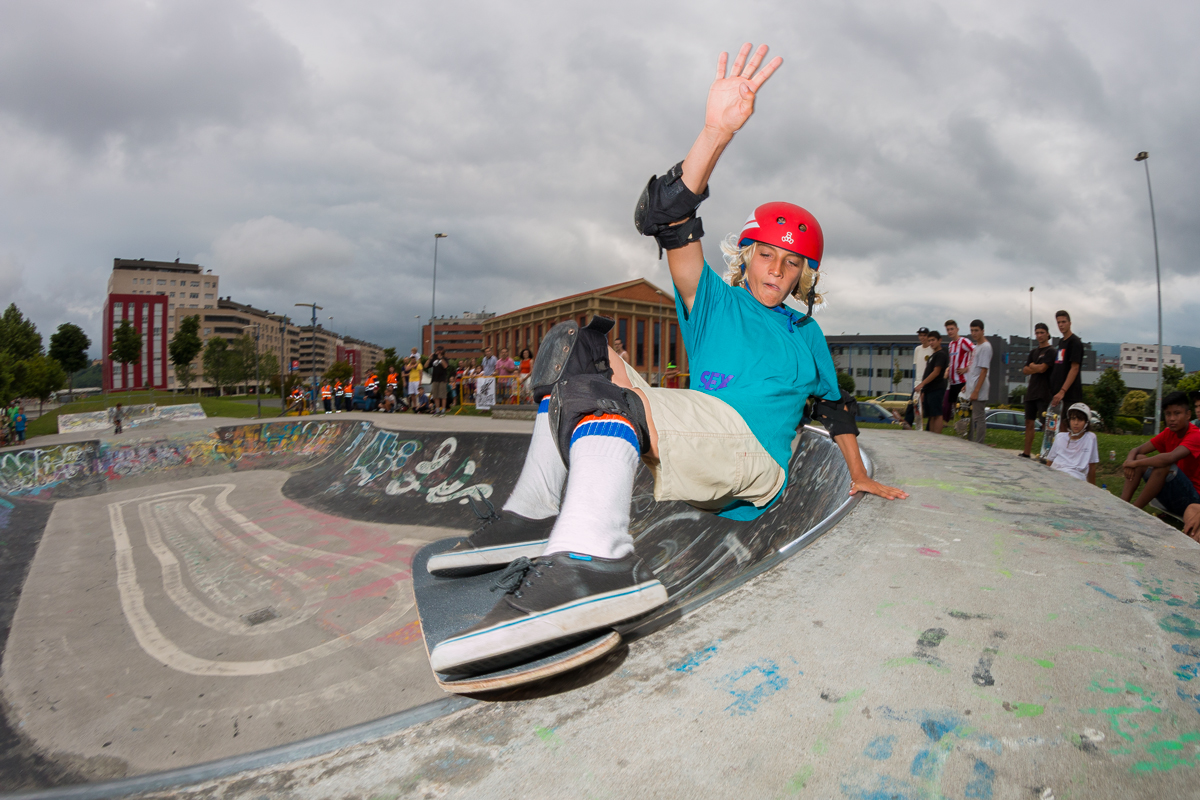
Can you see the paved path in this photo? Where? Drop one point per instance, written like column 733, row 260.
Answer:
column 1007, row 632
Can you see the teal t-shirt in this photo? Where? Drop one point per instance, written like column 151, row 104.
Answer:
column 763, row 362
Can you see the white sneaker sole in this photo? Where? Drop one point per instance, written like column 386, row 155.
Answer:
column 538, row 632
column 456, row 561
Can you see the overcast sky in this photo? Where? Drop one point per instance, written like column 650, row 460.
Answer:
column 955, row 153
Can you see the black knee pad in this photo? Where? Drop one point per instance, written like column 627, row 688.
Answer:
column 580, row 396
column 570, row 350
column 837, row 415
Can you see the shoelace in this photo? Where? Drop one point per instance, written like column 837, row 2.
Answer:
column 487, row 518
column 518, row 574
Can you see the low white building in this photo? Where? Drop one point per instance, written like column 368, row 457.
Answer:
column 1144, row 357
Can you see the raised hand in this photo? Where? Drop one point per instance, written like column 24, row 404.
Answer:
column 731, row 98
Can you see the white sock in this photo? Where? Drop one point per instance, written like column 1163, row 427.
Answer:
column 594, row 519
column 538, row 492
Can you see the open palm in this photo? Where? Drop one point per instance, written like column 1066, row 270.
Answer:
column 731, row 98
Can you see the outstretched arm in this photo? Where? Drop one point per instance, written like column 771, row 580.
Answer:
column 860, row 481
column 730, row 104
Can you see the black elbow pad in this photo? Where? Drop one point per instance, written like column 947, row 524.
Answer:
column 837, row 415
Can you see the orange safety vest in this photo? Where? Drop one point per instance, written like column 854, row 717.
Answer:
column 392, row 380
column 350, row 387
column 337, row 388
column 326, row 393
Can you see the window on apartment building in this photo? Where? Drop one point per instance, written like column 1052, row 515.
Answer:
column 863, row 372
column 162, row 281
column 194, row 295
column 672, row 345
column 170, row 294
column 640, row 345
column 172, row 283
column 207, row 331
column 196, row 283
column 208, row 297
column 193, row 305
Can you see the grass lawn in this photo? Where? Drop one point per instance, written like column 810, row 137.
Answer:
column 233, row 406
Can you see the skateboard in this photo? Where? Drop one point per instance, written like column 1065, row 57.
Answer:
column 446, row 606
column 1049, row 428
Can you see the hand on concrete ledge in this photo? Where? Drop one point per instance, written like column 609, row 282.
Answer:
column 1191, row 521
column 872, row 486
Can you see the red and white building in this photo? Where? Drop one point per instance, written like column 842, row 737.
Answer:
column 148, row 315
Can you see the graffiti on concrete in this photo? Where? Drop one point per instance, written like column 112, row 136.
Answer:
column 103, row 420
column 386, row 460
column 41, row 468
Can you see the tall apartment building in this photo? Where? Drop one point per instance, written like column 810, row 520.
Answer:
column 157, row 295
column 462, row 337
column 150, row 294
column 1144, row 357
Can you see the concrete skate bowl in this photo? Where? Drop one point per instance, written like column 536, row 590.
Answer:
column 184, row 607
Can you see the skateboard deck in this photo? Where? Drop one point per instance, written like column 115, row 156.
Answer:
column 446, row 606
column 1049, row 424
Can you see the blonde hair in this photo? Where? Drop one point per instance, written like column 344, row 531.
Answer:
column 736, row 258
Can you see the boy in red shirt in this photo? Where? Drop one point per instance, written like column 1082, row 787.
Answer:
column 1173, row 476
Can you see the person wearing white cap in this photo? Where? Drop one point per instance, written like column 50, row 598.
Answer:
column 1075, row 450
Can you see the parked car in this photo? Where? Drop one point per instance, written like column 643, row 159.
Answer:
column 870, row 411
column 893, row 401
column 1005, row 420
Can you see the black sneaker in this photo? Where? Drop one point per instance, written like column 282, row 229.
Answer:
column 550, row 603
column 502, row 538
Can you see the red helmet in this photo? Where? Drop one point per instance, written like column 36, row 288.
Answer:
column 786, row 226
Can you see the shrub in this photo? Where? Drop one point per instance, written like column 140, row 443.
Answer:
column 1134, row 403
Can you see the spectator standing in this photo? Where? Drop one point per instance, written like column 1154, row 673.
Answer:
column 1076, row 451
column 507, row 368
column 1038, row 364
column 19, row 422
column 414, row 381
column 487, row 367
column 921, row 355
column 1173, row 476
column 327, row 398
column 959, row 348
column 525, row 367
column 118, row 417
column 1065, row 385
column 619, row 346
column 933, row 382
column 439, row 372
column 978, row 382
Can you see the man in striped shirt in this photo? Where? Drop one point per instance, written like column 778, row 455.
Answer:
column 960, row 348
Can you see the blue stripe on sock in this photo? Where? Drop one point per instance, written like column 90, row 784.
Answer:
column 544, row 406
column 613, row 428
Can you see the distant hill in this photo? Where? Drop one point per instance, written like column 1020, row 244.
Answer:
column 1191, row 355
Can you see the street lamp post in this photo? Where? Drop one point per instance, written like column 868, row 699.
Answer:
column 312, row 348
column 1145, row 157
column 420, row 344
column 433, row 301
column 1031, row 314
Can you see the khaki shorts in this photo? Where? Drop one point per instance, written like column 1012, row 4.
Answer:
column 708, row 457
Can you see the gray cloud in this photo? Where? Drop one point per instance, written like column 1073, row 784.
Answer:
column 955, row 153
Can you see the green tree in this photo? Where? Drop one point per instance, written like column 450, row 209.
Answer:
column 68, row 346
column 1108, row 390
column 18, row 336
column 1172, row 375
column 243, row 356
column 1188, row 383
column 897, row 373
column 268, row 368
column 8, row 379
column 339, row 371
column 41, row 377
column 215, row 366
column 390, row 361
column 845, row 382
column 1134, row 403
column 126, row 345
column 185, row 346
column 1017, row 396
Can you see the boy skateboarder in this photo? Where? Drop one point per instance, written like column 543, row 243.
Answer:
column 1173, row 476
column 723, row 449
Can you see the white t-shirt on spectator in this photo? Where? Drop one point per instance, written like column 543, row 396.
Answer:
column 921, row 354
column 1074, row 457
column 981, row 359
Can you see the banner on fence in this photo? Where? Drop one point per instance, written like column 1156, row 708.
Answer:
column 485, row 393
